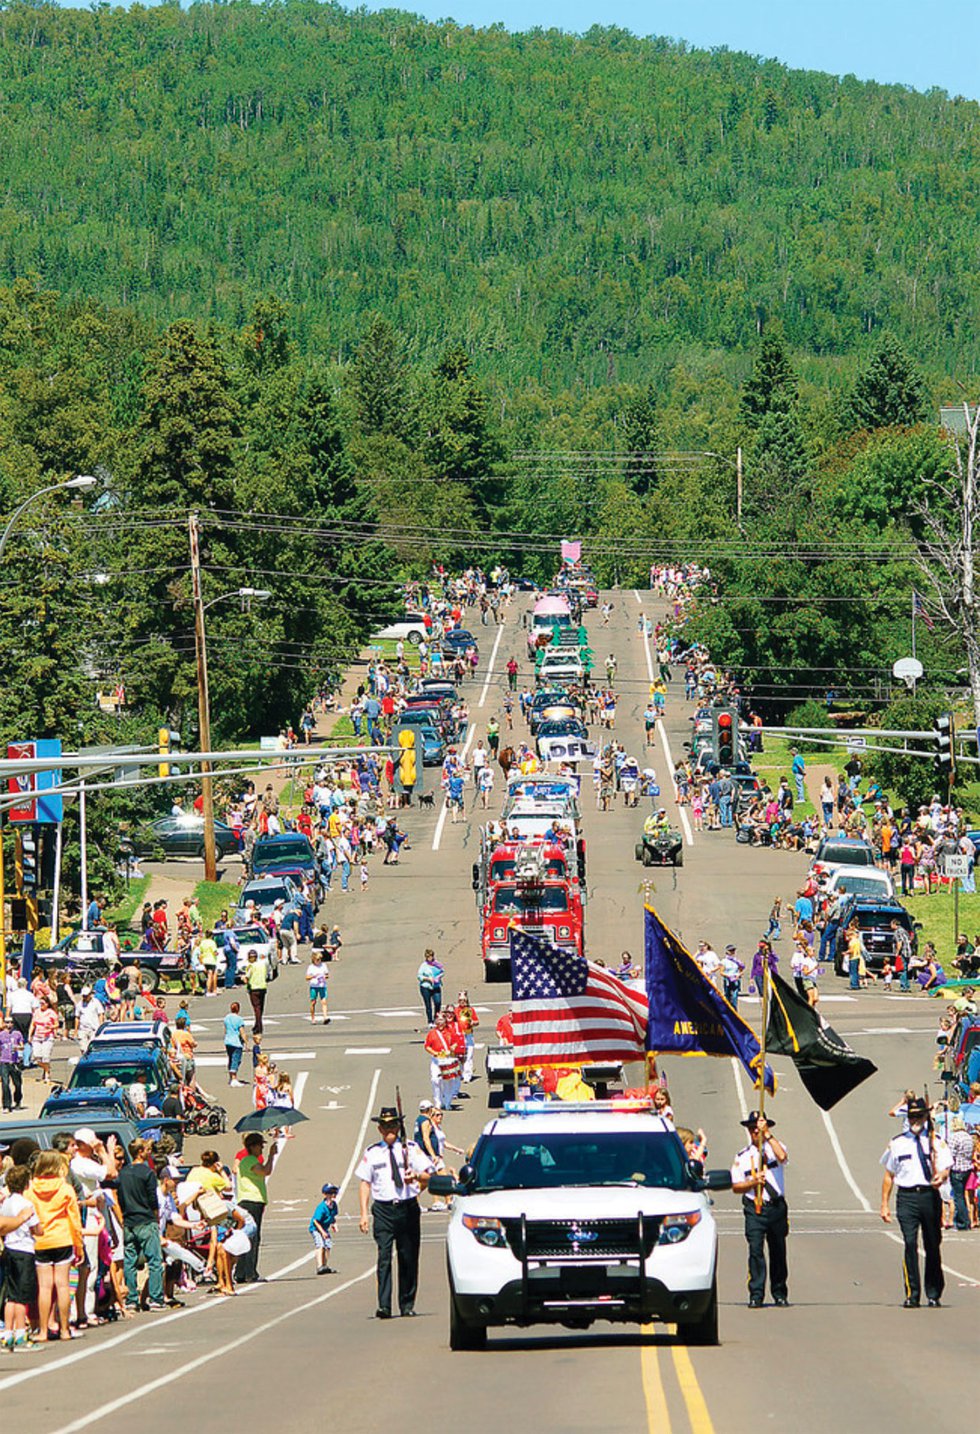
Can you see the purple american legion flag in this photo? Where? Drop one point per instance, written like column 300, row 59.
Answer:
column 567, row 1011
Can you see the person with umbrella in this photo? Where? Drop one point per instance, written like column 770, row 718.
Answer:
column 252, row 1171
column 391, row 1173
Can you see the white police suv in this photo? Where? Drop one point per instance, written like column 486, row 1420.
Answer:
column 572, row 1213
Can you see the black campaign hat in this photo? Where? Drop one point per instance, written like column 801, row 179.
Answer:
column 753, row 1118
column 918, row 1105
column 387, row 1115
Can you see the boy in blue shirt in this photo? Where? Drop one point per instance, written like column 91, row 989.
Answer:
column 321, row 1228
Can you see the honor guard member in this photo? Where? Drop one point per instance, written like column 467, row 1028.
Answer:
column 391, row 1174
column 760, row 1165
column 918, row 1162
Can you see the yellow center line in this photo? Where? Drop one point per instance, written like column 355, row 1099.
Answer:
column 658, row 1419
column 697, row 1410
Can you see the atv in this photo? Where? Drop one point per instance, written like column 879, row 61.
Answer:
column 661, row 849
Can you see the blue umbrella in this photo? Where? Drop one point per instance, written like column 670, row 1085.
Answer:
column 270, row 1118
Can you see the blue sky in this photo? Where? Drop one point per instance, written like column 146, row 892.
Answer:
column 890, row 40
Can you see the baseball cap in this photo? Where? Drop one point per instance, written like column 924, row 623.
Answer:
column 85, row 1136
column 329, row 1189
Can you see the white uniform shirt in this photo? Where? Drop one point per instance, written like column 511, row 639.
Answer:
column 376, row 1166
column 746, row 1164
column 905, row 1167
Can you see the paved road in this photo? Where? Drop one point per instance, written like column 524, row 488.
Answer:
column 299, row 1350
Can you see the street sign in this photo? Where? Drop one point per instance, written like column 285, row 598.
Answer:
column 857, row 744
column 956, row 865
column 30, row 787
column 22, row 786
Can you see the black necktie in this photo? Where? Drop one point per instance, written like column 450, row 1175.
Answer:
column 923, row 1159
column 396, row 1171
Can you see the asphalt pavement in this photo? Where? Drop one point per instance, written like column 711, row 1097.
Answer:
column 298, row 1350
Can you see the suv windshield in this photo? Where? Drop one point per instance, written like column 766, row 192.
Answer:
column 837, row 854
column 282, row 847
column 509, row 902
column 866, row 886
column 563, row 1157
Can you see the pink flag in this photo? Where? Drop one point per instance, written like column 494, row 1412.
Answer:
column 571, row 552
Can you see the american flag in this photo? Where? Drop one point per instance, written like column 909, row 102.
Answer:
column 920, row 610
column 568, row 1011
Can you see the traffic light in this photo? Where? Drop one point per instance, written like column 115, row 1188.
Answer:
column 27, row 856
column 407, row 766
column 725, row 737
column 945, row 732
column 163, row 741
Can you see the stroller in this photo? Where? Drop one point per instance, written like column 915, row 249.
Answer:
column 202, row 1115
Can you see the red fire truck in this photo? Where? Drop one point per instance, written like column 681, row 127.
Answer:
column 533, row 888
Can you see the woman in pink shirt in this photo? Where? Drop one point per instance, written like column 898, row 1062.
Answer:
column 44, row 1025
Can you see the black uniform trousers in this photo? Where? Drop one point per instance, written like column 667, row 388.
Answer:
column 768, row 1227
column 921, row 1208
column 398, row 1224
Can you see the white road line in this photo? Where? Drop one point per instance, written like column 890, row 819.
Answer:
column 368, row 1051
column 168, row 1379
column 845, row 1169
column 737, row 1074
column 153, row 1326
column 637, row 596
column 493, row 658
column 273, row 1055
column 359, row 1142
column 440, row 824
column 681, row 811
column 299, row 1088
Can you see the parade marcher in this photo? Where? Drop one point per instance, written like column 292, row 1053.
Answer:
column 391, row 1173
column 760, row 1165
column 446, row 1048
column 918, row 1162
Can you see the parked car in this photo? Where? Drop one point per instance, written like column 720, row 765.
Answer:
column 874, row 916
column 265, row 892
column 87, row 1107
column 842, row 851
column 410, row 628
column 459, row 639
column 84, row 952
column 249, row 938
column 44, row 1129
column 289, row 854
column 148, row 1034
column 126, row 1065
column 861, row 881
column 178, row 836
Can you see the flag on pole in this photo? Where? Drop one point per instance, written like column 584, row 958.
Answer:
column 567, row 1011
column 920, row 610
column 827, row 1066
column 571, row 550
column 687, row 1014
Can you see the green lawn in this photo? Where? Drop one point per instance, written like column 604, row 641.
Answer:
column 124, row 911
column 935, row 914
column 212, row 897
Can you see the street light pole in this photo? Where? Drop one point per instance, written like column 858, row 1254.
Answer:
column 203, row 704
column 79, row 483
column 83, row 481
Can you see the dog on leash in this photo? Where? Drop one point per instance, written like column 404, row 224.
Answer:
column 427, row 799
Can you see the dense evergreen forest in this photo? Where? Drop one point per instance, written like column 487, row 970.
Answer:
column 366, row 292
column 572, row 209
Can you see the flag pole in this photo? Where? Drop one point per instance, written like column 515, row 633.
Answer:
column 913, row 622
column 764, row 995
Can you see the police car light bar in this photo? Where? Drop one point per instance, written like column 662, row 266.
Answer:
column 626, row 1104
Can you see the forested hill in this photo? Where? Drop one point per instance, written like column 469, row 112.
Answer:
column 562, row 206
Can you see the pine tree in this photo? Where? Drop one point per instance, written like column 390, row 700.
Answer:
column 379, row 382
column 641, row 439
column 888, row 393
column 458, row 444
column 771, row 387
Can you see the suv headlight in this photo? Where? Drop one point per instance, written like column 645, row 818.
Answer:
column 675, row 1228
column 486, row 1231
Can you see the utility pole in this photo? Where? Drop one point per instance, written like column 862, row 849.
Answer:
column 738, row 486
column 203, row 704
